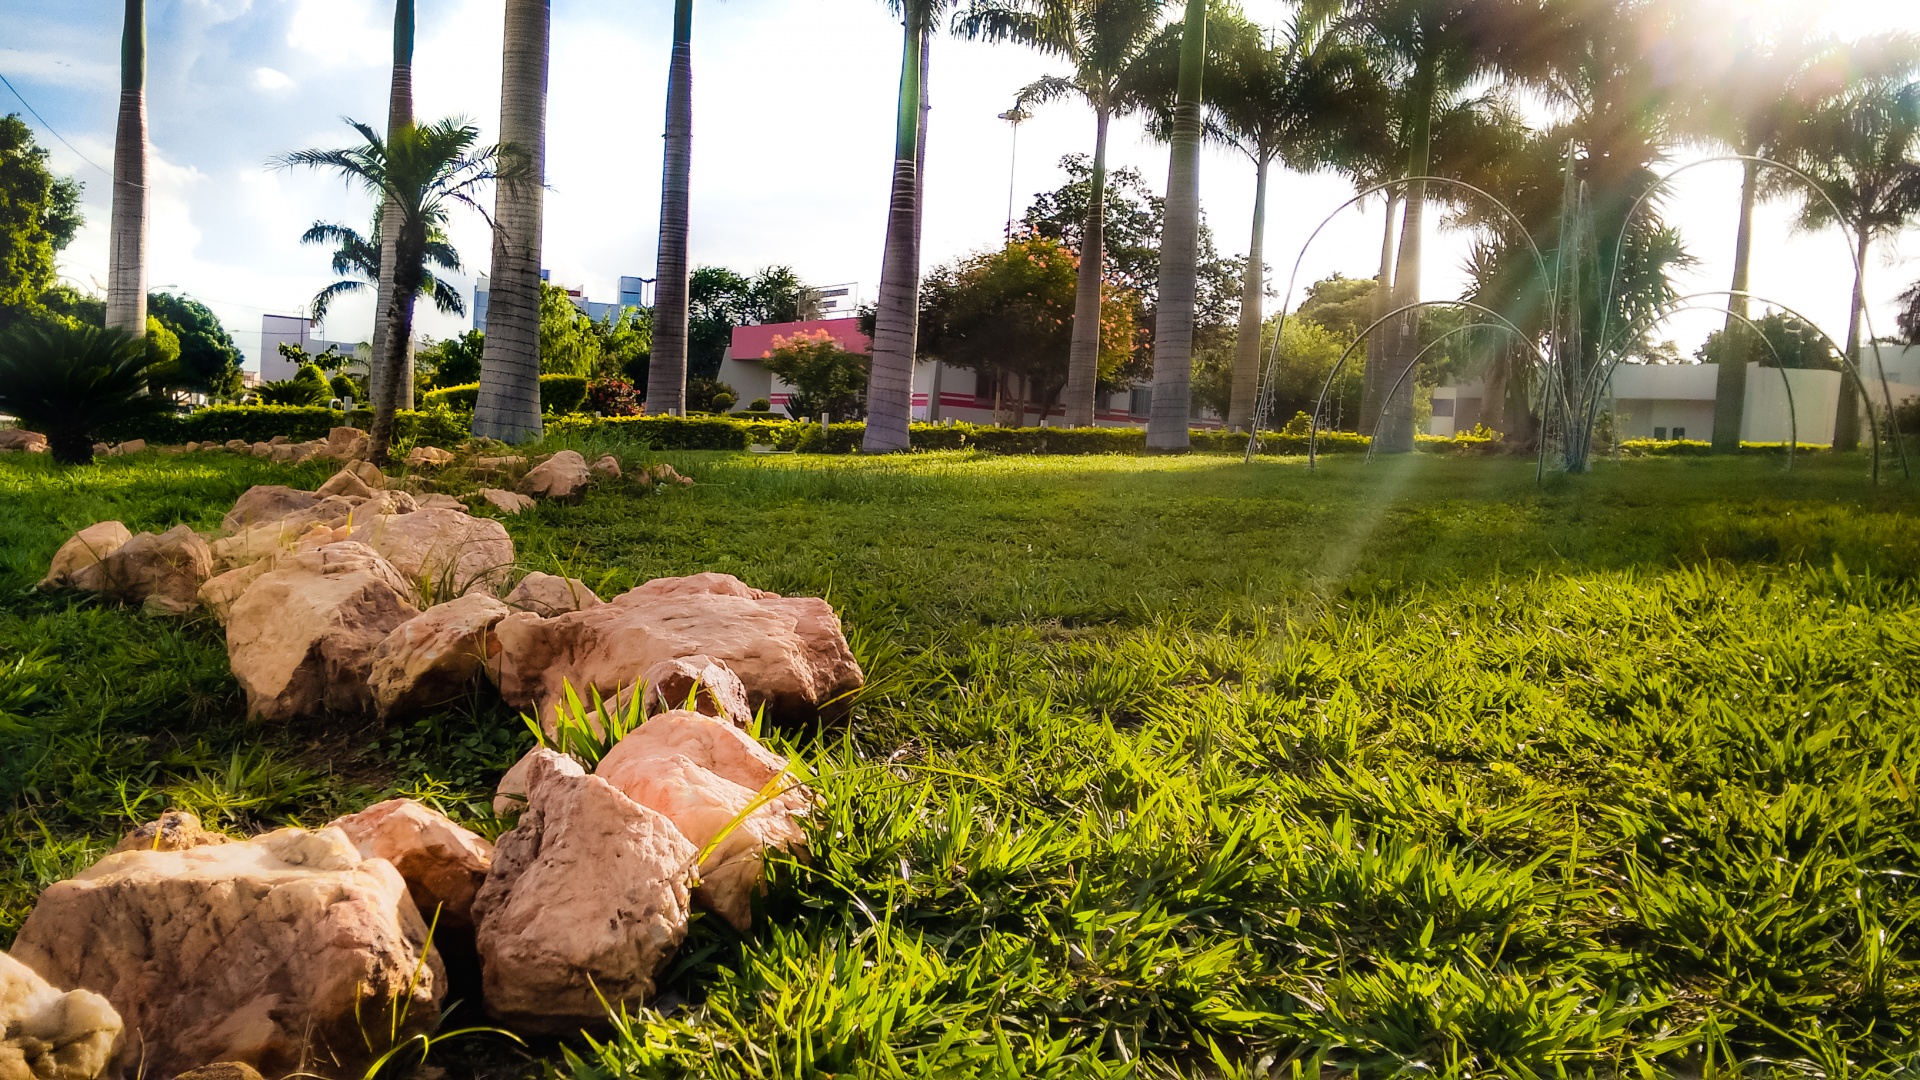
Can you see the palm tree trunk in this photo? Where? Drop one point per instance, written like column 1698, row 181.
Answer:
column 1083, row 355
column 1171, row 425
column 399, row 118
column 1846, row 422
column 667, row 373
column 896, row 321
column 1393, row 433
column 1730, row 388
column 408, row 261
column 1372, row 384
column 508, row 406
column 127, row 261
column 1253, row 290
column 920, row 146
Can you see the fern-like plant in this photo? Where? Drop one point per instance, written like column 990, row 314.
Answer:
column 69, row 381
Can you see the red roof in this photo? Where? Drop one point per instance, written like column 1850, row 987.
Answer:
column 754, row 342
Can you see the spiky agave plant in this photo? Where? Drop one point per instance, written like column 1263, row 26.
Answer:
column 69, row 381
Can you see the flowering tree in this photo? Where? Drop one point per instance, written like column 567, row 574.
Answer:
column 825, row 377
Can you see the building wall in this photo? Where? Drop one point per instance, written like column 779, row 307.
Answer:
column 291, row 330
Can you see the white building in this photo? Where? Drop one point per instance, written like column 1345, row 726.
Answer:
column 277, row 330
column 1675, row 401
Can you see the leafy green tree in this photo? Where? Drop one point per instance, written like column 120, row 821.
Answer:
column 39, row 213
column 209, row 358
column 825, row 377
column 360, row 256
column 1783, row 341
column 1341, row 304
column 424, row 172
column 1009, row 314
column 626, row 343
column 69, row 381
column 569, row 344
column 452, row 362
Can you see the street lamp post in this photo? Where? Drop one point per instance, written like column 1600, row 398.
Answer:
column 1014, row 117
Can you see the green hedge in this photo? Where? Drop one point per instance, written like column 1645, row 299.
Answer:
column 559, row 394
column 299, row 423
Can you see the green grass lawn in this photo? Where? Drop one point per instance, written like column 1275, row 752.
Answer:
column 1175, row 766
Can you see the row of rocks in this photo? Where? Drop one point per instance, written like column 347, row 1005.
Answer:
column 285, row 952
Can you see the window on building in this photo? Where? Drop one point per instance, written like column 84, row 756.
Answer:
column 1660, row 433
column 1103, row 400
column 1443, row 406
column 982, row 386
column 1140, row 402
column 1679, row 433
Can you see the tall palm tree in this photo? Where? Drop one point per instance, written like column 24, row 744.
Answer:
column 399, row 116
column 1862, row 149
column 127, row 261
column 425, row 172
column 1103, row 40
column 1170, row 427
column 896, row 316
column 364, row 257
column 667, row 371
column 508, row 407
column 1277, row 97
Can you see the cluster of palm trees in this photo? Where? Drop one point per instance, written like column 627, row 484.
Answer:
column 1419, row 101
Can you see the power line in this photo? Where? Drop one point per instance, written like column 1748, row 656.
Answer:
column 49, row 127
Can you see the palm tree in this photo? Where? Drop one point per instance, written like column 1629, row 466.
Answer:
column 1170, row 426
column 127, row 261
column 1862, row 149
column 366, row 258
column 508, row 406
column 424, row 171
column 896, row 316
column 399, row 115
column 1277, row 98
column 667, row 372
column 1103, row 40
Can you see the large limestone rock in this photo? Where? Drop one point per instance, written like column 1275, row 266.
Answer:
column 18, row 439
column 269, row 538
column 77, row 563
column 714, row 745
column 451, row 552
column 284, row 953
column 586, row 902
column 302, row 642
column 266, row 503
column 162, row 572
column 740, row 823
column 46, row 1034
column 549, row 595
column 789, row 653
column 434, row 658
column 563, row 476
column 443, row 864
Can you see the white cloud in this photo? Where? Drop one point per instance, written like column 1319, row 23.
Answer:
column 267, row 78
column 347, row 31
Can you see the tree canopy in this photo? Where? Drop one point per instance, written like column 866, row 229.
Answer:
column 39, row 215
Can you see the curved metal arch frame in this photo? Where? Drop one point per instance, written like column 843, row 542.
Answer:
column 1313, row 432
column 1422, row 355
column 1263, row 399
column 1853, row 260
column 1852, row 369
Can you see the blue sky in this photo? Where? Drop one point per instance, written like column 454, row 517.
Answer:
column 793, row 140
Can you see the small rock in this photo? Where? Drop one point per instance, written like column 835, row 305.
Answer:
column 278, row 440
column 507, row 502
column 101, row 449
column 606, row 468
column 264, row 503
column 439, row 502
column 443, row 864
column 346, row 483
column 710, row 685
column 29, row 442
column 505, row 464
column 281, row 952
column 436, row 657
column 261, row 450
column 162, row 573
column 549, row 595
column 175, row 830
column 714, row 744
column 191, row 448
column 49, row 1035
column 77, row 563
column 131, row 446
column 510, row 796
column 222, row 1070
column 238, row 445
column 348, row 443
column 428, row 457
column 562, row 476
column 585, row 904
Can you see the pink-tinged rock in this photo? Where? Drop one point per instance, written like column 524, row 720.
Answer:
column 606, row 468
column 47, row 1034
column 29, row 442
column 563, row 476
column 428, row 457
column 454, row 553
column 712, row 744
column 386, row 503
column 436, row 657
column 266, row 504
column 222, row 591
column 175, row 830
column 348, row 443
column 510, row 796
column 346, row 483
column 585, row 904
column 77, row 563
column 719, row 817
column 712, row 687
column 696, row 585
column 163, row 573
column 302, row 642
column 443, row 864
column 549, row 595
column 790, row 654
column 278, row 953
column 507, row 502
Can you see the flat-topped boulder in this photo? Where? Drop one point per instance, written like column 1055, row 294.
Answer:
column 563, row 476
column 433, row 659
column 301, row 641
column 284, row 953
column 451, row 552
column 162, row 572
column 551, row 594
column 77, row 563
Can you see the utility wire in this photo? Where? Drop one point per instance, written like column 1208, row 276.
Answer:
column 49, row 127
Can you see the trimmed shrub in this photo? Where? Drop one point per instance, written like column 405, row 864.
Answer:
column 461, row 397
column 559, row 394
